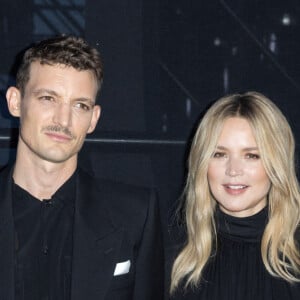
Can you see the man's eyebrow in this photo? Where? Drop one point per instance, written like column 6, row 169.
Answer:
column 88, row 101
column 47, row 91
column 84, row 99
column 54, row 93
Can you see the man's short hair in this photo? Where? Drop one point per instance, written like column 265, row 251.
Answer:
column 65, row 50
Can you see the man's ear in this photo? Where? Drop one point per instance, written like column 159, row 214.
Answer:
column 13, row 97
column 95, row 118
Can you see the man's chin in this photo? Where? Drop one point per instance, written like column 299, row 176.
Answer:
column 58, row 158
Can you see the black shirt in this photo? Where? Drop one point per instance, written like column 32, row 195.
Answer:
column 43, row 243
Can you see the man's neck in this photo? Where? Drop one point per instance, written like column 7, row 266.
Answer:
column 42, row 178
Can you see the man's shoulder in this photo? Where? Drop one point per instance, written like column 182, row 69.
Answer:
column 6, row 171
column 113, row 186
column 117, row 195
column 5, row 176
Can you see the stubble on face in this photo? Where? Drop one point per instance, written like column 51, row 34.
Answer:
column 43, row 135
column 59, row 129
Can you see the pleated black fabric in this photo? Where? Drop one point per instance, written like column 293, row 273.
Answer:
column 237, row 272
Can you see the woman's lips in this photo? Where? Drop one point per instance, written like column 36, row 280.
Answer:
column 235, row 189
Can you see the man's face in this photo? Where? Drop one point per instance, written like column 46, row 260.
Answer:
column 56, row 111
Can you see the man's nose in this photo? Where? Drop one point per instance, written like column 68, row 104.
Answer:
column 63, row 115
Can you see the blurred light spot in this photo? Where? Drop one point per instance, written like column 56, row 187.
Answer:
column 188, row 107
column 164, row 127
column 234, row 51
column 273, row 42
column 226, row 80
column 261, row 56
column 217, row 42
column 286, row 20
column 178, row 11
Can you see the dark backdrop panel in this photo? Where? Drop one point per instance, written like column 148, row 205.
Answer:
column 165, row 61
column 117, row 27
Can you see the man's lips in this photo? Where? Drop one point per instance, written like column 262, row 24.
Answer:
column 58, row 136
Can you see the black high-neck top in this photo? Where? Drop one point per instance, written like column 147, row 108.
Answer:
column 237, row 272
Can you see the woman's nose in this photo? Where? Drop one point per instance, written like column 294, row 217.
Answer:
column 234, row 167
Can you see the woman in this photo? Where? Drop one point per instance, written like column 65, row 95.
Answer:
column 242, row 206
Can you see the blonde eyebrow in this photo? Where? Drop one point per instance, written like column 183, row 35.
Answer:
column 244, row 149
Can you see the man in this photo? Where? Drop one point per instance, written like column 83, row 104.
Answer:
column 64, row 234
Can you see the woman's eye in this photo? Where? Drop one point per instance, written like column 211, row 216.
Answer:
column 252, row 156
column 219, row 154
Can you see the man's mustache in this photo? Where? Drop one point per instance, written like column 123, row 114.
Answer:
column 57, row 128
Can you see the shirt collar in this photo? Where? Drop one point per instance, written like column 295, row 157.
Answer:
column 65, row 195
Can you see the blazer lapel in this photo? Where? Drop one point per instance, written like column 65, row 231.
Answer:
column 6, row 236
column 95, row 243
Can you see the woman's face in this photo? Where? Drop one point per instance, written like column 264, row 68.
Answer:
column 236, row 176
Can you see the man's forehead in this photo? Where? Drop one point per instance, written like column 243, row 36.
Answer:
column 58, row 68
column 61, row 78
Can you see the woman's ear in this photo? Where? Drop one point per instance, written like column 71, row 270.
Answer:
column 13, row 97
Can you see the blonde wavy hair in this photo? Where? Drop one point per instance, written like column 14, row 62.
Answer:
column 275, row 141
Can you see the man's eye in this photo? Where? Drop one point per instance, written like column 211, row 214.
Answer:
column 82, row 106
column 46, row 98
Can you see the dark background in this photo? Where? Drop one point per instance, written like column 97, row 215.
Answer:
column 165, row 61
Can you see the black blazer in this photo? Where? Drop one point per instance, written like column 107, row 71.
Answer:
column 113, row 223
